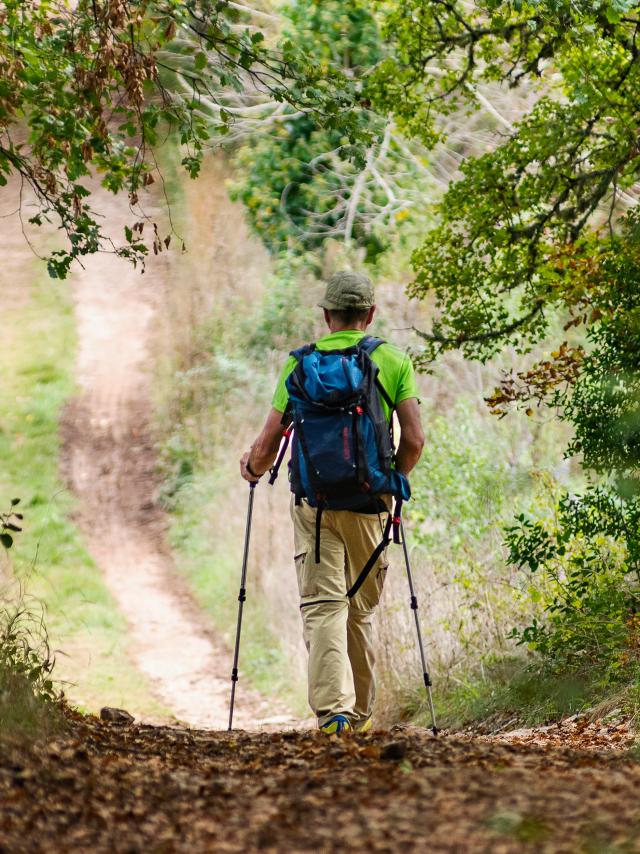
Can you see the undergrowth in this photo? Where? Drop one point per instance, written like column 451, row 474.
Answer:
column 518, row 692
column 30, row 704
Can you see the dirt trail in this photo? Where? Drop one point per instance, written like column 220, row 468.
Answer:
column 109, row 462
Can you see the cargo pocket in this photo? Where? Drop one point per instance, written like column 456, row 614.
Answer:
column 306, row 572
column 369, row 594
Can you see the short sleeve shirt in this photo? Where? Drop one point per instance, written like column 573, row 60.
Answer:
column 396, row 372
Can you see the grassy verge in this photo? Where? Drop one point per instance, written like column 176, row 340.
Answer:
column 513, row 695
column 49, row 557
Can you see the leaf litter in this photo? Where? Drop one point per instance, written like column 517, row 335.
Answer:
column 107, row 786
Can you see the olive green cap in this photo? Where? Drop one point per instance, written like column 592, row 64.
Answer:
column 348, row 290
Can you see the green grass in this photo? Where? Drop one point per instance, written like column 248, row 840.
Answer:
column 513, row 694
column 25, row 716
column 49, row 557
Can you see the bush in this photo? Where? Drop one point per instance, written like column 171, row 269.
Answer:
column 593, row 593
column 30, row 704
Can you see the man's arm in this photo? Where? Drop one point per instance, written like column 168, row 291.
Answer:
column 265, row 448
column 411, row 435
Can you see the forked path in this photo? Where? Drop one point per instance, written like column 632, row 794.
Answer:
column 109, row 462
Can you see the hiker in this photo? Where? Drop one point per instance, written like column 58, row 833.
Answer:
column 342, row 523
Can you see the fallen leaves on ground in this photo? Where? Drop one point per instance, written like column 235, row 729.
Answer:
column 108, row 787
column 578, row 731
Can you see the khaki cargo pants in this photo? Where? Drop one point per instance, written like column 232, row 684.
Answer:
column 338, row 631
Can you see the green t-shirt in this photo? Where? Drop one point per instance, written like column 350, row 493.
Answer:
column 395, row 369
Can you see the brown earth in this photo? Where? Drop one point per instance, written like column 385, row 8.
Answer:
column 140, row 788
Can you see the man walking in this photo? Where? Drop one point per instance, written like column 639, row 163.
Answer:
column 333, row 545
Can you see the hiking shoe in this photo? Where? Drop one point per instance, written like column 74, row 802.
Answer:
column 337, row 725
column 365, row 726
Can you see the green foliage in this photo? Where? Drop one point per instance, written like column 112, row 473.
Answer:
column 284, row 317
column 472, row 477
column 30, row 704
column 24, row 649
column 511, row 692
column 97, row 84
column 465, row 482
column 593, row 595
column 209, row 411
column 8, row 524
column 292, row 193
column 209, row 544
column 533, row 229
column 221, row 373
column 297, row 182
column 604, row 405
column 591, row 551
column 491, row 260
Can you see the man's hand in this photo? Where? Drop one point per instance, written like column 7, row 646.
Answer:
column 264, row 450
column 244, row 471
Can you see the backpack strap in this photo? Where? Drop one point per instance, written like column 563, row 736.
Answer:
column 299, row 355
column 369, row 344
column 300, row 352
column 383, row 393
column 393, row 521
column 319, row 511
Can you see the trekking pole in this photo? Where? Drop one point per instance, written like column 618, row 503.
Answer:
column 414, row 608
column 241, row 599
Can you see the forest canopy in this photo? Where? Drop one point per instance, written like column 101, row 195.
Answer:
column 94, row 87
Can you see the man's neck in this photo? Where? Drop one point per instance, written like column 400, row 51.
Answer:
column 333, row 329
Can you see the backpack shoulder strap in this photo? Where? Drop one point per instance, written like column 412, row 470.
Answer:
column 369, row 343
column 300, row 352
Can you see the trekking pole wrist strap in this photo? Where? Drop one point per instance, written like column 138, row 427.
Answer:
column 251, row 471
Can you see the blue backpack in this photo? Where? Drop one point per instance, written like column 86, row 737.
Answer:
column 342, row 449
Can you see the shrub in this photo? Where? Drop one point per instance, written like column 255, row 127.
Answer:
column 30, row 704
column 591, row 610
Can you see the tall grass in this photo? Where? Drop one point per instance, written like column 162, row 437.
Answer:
column 30, row 706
